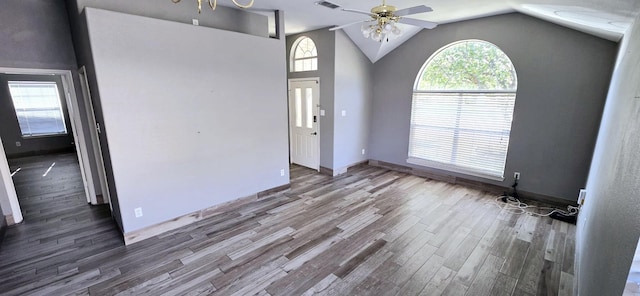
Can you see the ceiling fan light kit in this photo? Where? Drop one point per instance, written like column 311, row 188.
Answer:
column 380, row 31
column 385, row 19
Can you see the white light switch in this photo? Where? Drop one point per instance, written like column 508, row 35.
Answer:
column 138, row 212
column 344, row 112
column 321, row 112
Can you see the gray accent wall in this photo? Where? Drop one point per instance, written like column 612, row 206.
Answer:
column 353, row 94
column 609, row 224
column 35, row 34
column 563, row 78
column 325, row 41
column 187, row 131
column 224, row 18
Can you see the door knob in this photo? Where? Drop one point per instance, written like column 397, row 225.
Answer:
column 314, row 133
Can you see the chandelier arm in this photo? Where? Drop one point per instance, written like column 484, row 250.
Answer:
column 199, row 6
column 213, row 4
column 175, row 1
column 243, row 5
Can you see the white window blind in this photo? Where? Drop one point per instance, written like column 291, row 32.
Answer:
column 462, row 110
column 463, row 132
column 38, row 108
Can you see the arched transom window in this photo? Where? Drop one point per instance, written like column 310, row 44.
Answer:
column 463, row 101
column 304, row 55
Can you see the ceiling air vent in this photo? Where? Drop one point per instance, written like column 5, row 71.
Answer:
column 328, row 4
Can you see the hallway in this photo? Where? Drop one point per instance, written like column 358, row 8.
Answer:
column 58, row 224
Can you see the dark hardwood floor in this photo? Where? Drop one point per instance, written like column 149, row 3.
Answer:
column 368, row 232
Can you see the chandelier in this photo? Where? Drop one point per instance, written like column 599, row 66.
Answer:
column 382, row 29
column 214, row 3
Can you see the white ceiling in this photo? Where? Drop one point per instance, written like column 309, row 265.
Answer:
column 604, row 18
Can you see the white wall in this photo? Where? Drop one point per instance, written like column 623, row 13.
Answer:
column 225, row 18
column 194, row 116
column 353, row 85
column 609, row 223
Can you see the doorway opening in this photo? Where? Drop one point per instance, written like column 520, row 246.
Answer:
column 304, row 122
column 43, row 142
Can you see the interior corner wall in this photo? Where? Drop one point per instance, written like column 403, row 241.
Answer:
column 563, row 78
column 325, row 41
column 224, row 18
column 187, row 131
column 80, row 33
column 353, row 95
column 609, row 225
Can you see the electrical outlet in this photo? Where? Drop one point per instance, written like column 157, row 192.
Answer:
column 282, row 172
column 363, row 151
column 516, row 175
column 195, row 22
column 138, row 212
column 18, row 144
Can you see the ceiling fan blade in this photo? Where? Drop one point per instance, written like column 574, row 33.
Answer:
column 360, row 12
column 413, row 10
column 347, row 25
column 418, row 23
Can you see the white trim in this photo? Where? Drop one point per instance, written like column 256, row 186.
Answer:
column 317, row 80
column 5, row 174
column 292, row 53
column 95, row 138
column 80, row 141
column 78, row 134
column 452, row 168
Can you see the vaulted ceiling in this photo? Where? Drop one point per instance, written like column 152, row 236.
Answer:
column 607, row 19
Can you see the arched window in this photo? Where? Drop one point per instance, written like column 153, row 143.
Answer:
column 462, row 109
column 304, row 55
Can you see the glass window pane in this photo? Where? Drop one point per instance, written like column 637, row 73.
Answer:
column 304, row 55
column 298, row 107
column 38, row 108
column 309, row 96
column 307, row 65
column 462, row 109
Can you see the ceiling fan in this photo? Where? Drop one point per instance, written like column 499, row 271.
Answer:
column 384, row 19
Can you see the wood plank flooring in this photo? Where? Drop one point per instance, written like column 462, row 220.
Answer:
column 370, row 231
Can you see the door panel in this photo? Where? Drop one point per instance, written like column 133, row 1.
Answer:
column 303, row 114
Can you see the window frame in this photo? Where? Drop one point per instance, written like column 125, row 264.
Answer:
column 450, row 166
column 61, row 101
column 293, row 59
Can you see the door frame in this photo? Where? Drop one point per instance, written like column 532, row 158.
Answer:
column 289, row 81
column 95, row 137
column 78, row 134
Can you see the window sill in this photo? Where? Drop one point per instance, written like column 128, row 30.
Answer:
column 44, row 136
column 454, row 169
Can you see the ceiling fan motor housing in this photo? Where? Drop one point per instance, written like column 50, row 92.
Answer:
column 384, row 10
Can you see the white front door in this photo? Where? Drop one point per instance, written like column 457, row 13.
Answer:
column 304, row 103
